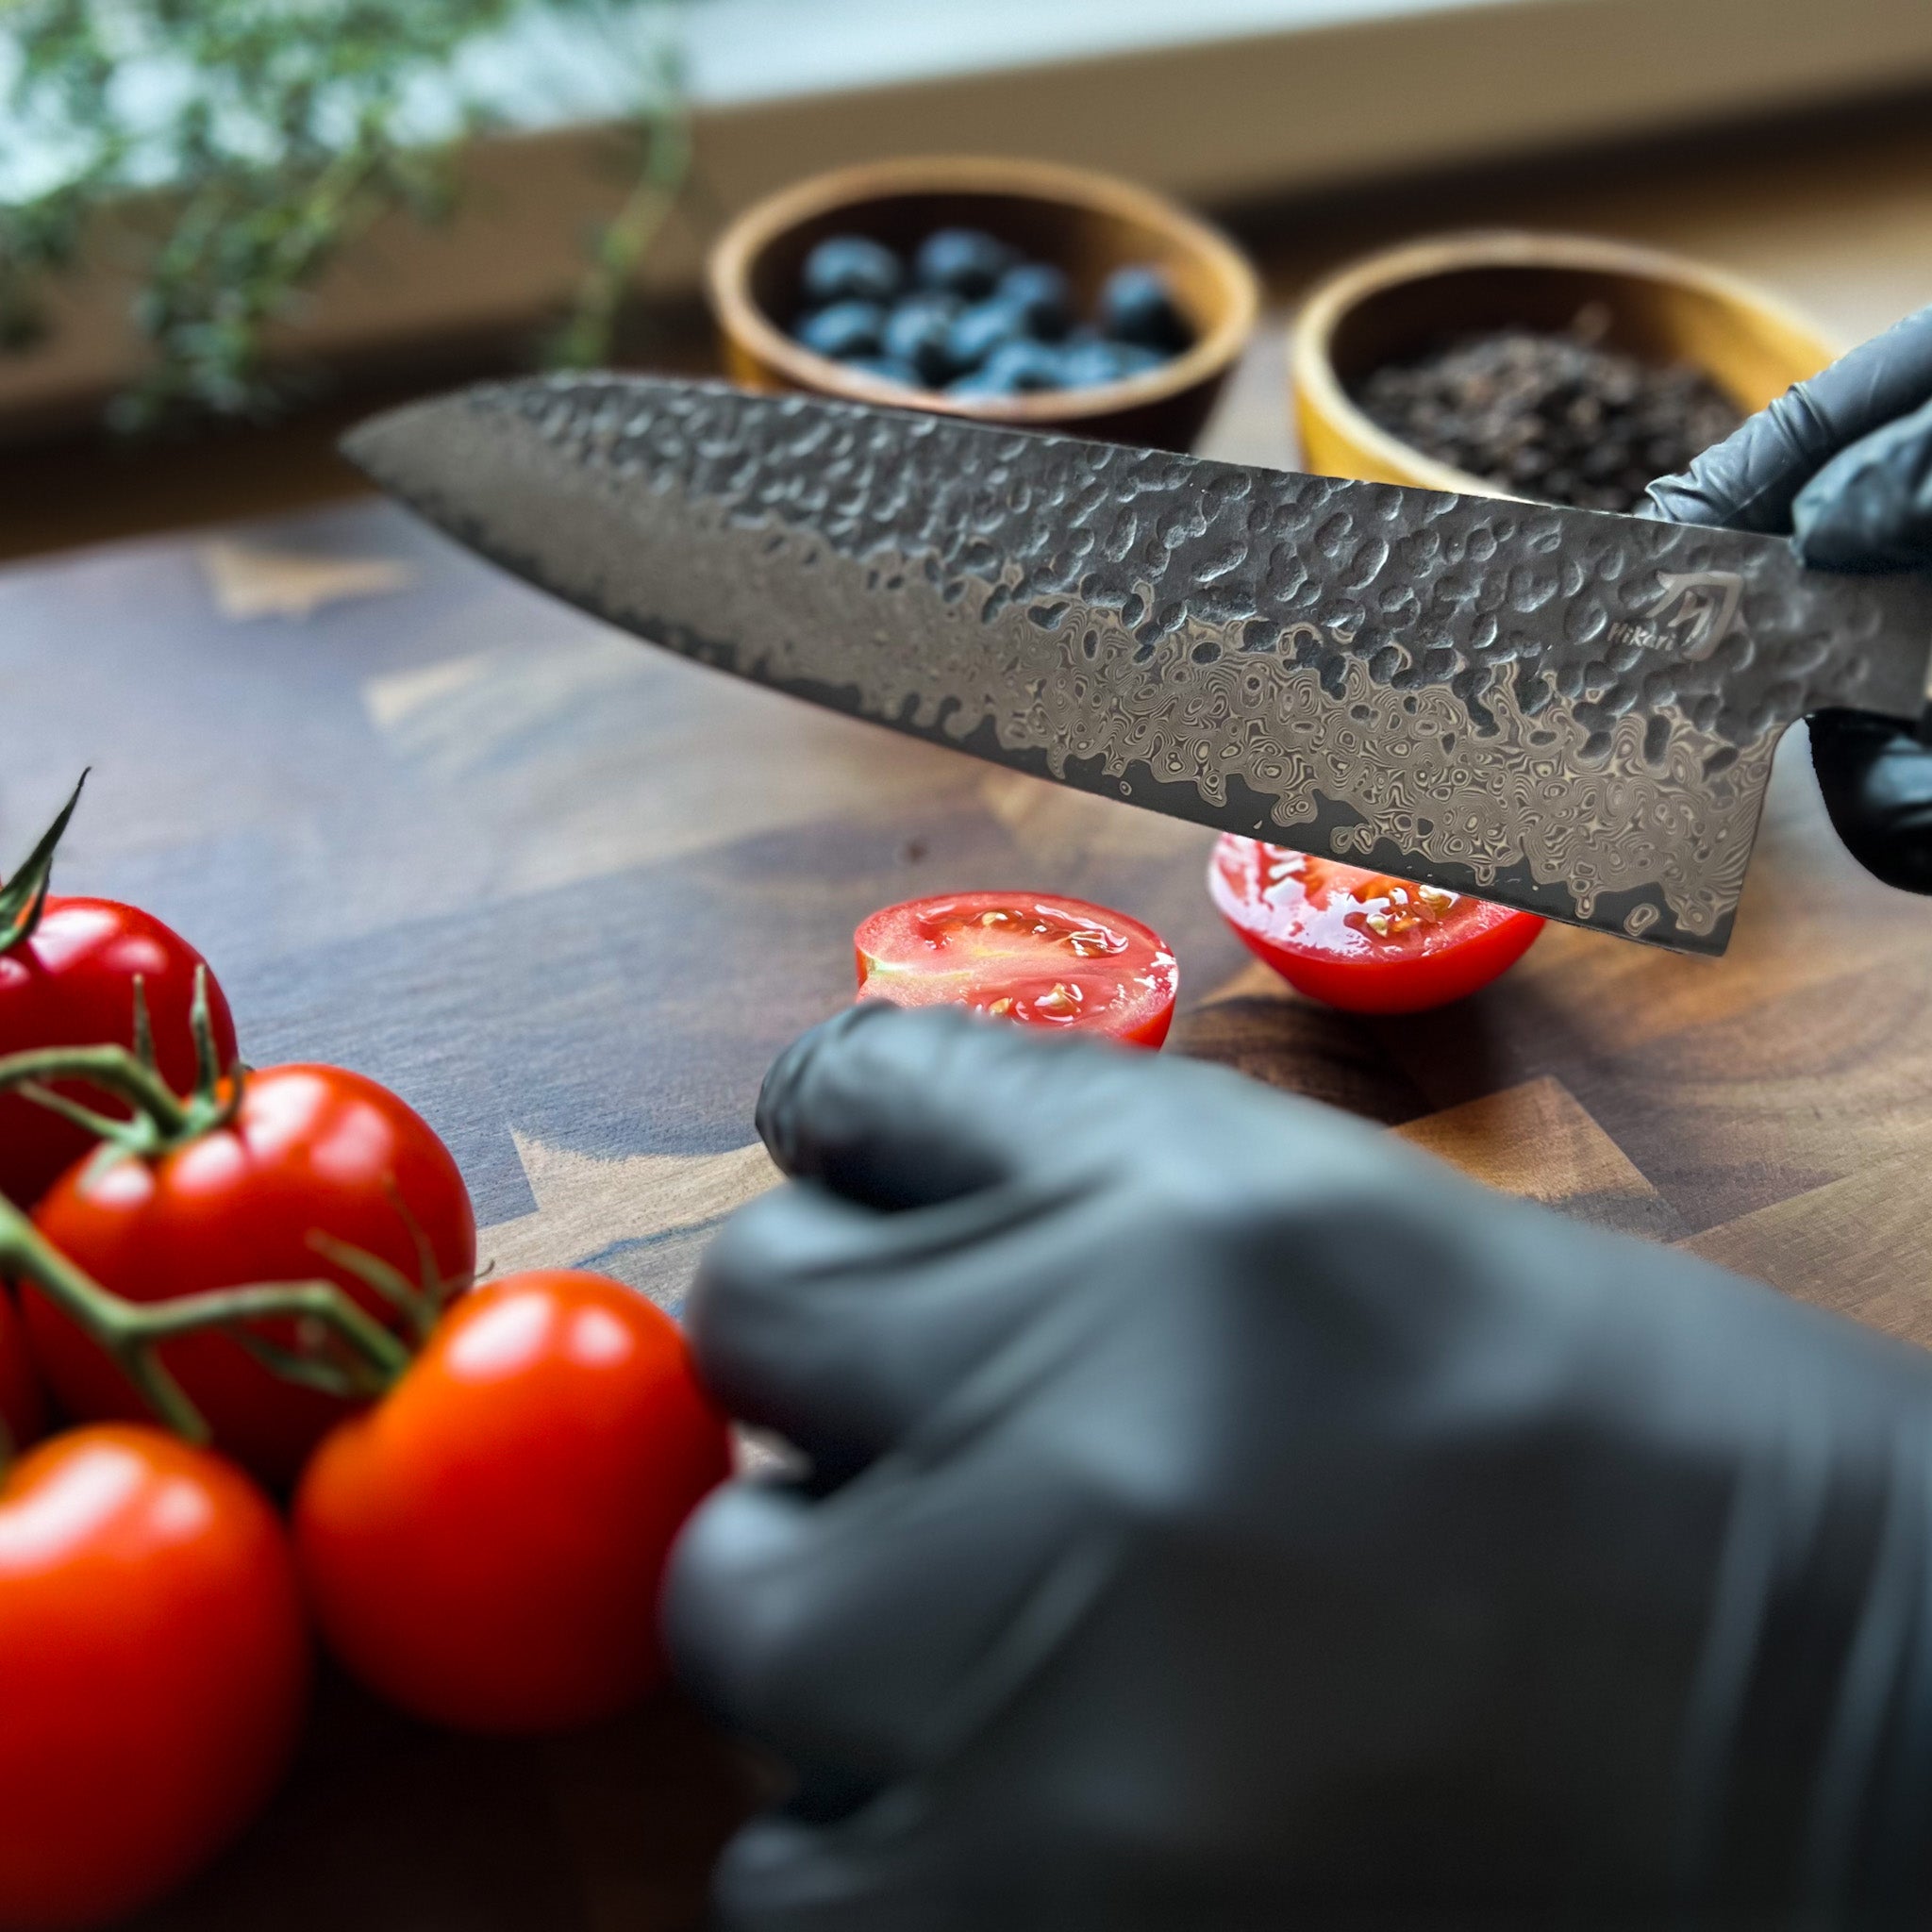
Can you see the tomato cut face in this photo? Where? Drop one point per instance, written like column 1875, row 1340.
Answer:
column 1359, row 940
column 1060, row 964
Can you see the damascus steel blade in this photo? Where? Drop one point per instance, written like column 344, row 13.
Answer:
column 1570, row 712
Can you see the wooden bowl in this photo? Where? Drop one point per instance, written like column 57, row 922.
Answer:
column 1396, row 305
column 1086, row 224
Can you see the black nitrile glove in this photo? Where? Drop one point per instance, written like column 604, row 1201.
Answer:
column 1844, row 463
column 1226, row 1521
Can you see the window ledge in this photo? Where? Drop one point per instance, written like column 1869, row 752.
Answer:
column 1251, row 99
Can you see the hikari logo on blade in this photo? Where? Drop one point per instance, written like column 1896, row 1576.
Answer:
column 1695, row 613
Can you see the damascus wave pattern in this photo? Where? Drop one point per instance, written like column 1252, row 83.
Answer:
column 1411, row 766
column 1473, row 687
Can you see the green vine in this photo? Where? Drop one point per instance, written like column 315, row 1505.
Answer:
column 237, row 146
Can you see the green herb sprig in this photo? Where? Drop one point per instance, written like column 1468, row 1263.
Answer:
column 234, row 148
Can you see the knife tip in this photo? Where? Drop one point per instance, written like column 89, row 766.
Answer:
column 372, row 443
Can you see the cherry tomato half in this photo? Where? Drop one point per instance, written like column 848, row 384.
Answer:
column 20, row 1412
column 485, row 1546
column 313, row 1149
column 1060, row 965
column 155, row 1664
column 72, row 984
column 1358, row 940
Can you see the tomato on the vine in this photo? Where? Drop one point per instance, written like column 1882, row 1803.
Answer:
column 22, row 1417
column 1357, row 940
column 485, row 1546
column 1059, row 965
column 311, row 1150
column 155, row 1665
column 69, row 969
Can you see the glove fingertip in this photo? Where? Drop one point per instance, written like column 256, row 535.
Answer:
column 1870, row 509
column 768, row 1879
column 1679, row 499
column 782, row 1116
column 898, row 1108
column 712, row 1615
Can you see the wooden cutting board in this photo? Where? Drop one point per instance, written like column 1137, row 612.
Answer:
column 569, row 896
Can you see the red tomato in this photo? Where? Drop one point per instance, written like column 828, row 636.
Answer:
column 313, row 1149
column 154, row 1666
column 1357, row 940
column 20, row 1414
column 485, row 1546
column 72, row 984
column 1056, row 963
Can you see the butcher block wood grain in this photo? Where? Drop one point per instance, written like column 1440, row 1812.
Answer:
column 569, row 895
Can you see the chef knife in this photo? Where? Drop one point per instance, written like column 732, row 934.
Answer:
column 1564, row 710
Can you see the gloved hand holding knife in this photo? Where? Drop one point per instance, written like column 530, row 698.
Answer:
column 1224, row 1519
column 1843, row 465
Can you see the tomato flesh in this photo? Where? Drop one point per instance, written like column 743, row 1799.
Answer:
column 1060, row 964
column 313, row 1149
column 1358, row 940
column 72, row 984
column 486, row 1546
column 156, row 1665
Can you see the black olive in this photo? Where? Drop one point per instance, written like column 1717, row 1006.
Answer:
column 918, row 332
column 851, row 268
column 1018, row 367
column 962, row 263
column 1137, row 306
column 981, row 330
column 1043, row 297
column 843, row 330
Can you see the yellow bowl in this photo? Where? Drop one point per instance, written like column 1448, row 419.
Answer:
column 1393, row 305
column 1085, row 223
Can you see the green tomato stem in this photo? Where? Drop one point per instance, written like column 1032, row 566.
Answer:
column 163, row 1120
column 24, row 897
column 112, row 1069
column 201, row 1023
column 131, row 1333
column 96, row 1127
column 143, row 1026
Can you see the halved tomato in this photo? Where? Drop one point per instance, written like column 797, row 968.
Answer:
column 1057, row 963
column 1359, row 940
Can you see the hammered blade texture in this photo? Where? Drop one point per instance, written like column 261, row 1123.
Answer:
column 1569, row 712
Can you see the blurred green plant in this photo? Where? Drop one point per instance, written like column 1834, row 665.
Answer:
column 230, row 149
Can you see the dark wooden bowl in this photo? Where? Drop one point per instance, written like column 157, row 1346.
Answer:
column 1086, row 224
